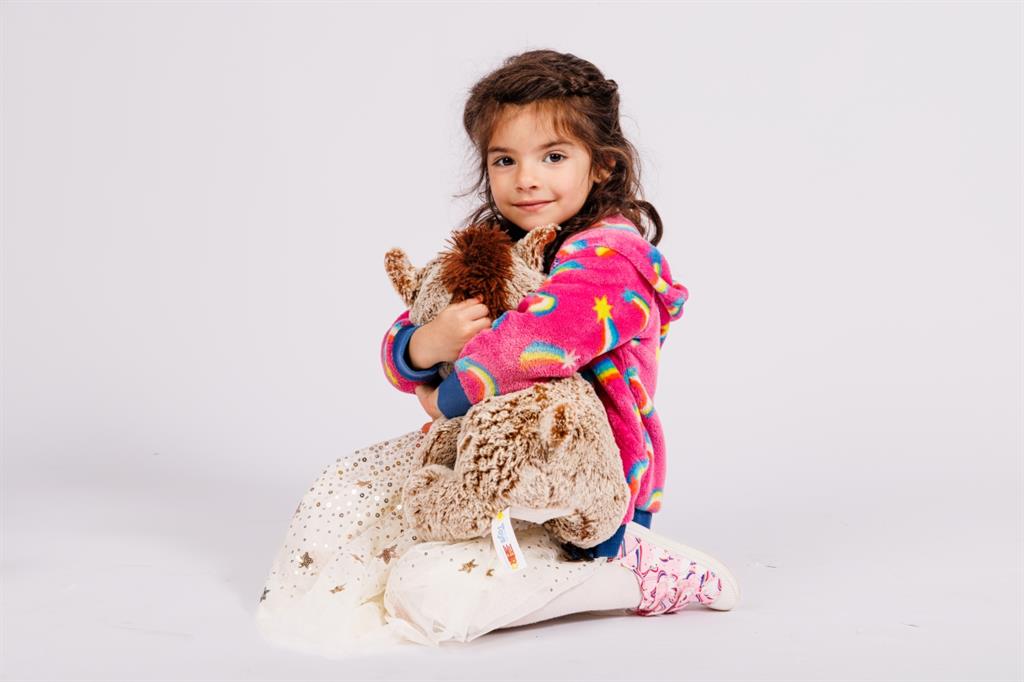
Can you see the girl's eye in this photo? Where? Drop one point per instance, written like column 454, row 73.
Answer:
column 498, row 161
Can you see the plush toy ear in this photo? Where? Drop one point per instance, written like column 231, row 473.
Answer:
column 404, row 277
column 531, row 247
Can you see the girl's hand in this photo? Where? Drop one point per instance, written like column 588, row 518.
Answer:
column 428, row 401
column 442, row 339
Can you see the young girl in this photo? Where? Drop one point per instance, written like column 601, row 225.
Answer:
column 352, row 572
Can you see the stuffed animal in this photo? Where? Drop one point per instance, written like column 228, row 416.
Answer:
column 545, row 451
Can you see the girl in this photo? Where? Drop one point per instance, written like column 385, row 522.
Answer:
column 351, row 572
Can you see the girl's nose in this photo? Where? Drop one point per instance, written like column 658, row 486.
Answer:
column 525, row 180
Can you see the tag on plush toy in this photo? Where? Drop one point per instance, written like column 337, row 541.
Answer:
column 505, row 543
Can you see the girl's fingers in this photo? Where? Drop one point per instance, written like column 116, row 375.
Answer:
column 477, row 311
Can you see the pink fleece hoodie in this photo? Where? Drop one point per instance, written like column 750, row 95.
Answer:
column 604, row 310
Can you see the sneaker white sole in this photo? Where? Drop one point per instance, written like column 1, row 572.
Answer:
column 730, row 594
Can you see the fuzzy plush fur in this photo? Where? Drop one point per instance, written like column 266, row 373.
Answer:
column 547, row 446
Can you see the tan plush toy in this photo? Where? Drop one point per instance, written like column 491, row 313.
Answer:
column 545, row 451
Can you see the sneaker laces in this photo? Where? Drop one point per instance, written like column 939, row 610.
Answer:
column 667, row 581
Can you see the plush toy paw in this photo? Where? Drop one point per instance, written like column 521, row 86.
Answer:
column 439, row 447
column 437, row 506
column 420, row 480
column 418, row 502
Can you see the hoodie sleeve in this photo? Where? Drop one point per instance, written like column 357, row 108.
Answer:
column 593, row 301
column 395, row 358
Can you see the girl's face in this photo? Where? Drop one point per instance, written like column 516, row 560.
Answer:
column 537, row 176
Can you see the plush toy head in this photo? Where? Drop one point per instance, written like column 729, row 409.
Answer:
column 481, row 260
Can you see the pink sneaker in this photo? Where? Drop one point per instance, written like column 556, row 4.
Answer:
column 672, row 575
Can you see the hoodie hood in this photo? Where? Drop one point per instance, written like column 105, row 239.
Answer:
column 620, row 235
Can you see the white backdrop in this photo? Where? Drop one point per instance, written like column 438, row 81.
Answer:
column 196, row 202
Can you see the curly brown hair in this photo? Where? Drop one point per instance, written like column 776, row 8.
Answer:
column 582, row 104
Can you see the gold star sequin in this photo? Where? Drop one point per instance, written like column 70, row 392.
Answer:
column 306, row 560
column 603, row 308
column 388, row 554
column 338, row 588
column 468, row 566
column 490, row 573
column 263, row 597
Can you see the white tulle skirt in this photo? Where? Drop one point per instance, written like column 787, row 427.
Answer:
column 351, row 578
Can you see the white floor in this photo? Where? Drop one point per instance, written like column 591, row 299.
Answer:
column 153, row 576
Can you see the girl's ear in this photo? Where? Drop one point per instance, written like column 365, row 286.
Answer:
column 404, row 277
column 531, row 247
column 604, row 170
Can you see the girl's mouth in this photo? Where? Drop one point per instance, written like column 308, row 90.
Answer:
column 533, row 207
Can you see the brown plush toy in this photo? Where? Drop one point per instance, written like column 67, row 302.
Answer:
column 546, row 451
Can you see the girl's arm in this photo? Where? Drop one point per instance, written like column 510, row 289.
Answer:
column 395, row 359
column 590, row 304
column 412, row 354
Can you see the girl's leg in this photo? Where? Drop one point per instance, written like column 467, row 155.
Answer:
column 650, row 576
column 611, row 587
column 459, row 591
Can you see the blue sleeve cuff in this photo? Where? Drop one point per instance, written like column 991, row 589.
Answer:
column 399, row 355
column 451, row 399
